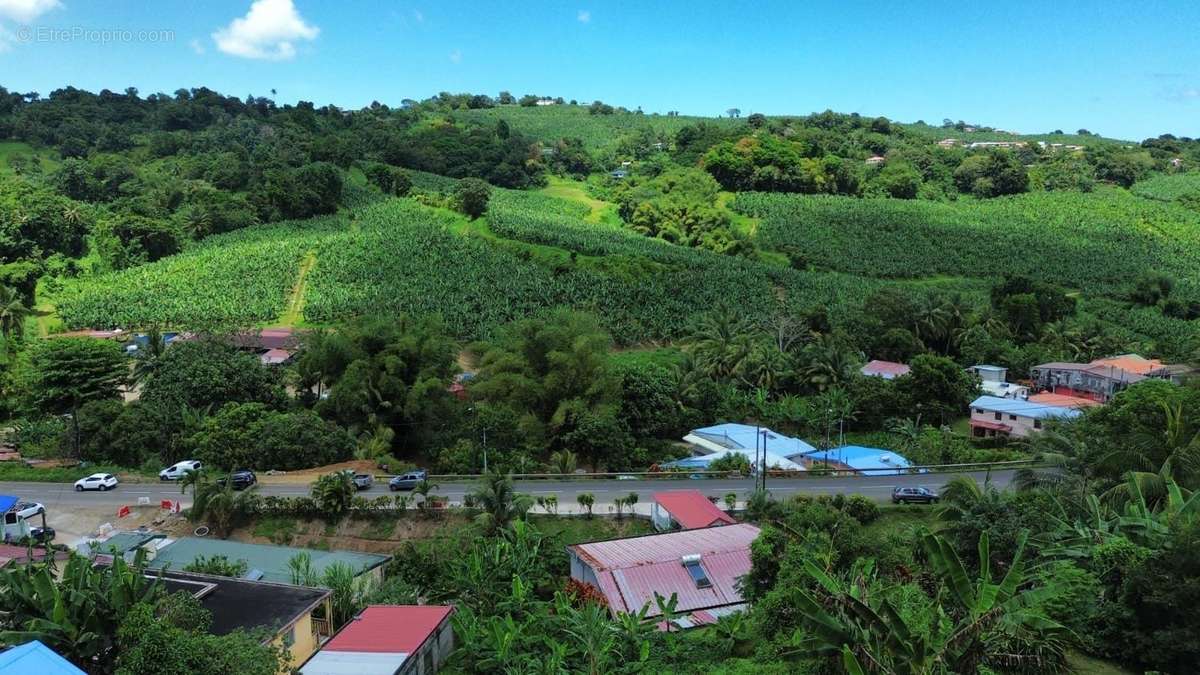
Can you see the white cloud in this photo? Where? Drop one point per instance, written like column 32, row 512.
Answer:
column 24, row 11
column 196, row 46
column 456, row 56
column 268, row 31
column 584, row 16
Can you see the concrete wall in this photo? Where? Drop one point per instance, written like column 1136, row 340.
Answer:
column 1021, row 426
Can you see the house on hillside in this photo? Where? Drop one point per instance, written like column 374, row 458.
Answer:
column 875, row 159
column 993, row 380
column 686, row 510
column 856, row 459
column 388, row 639
column 711, row 443
column 1104, row 378
column 700, row 567
column 618, row 174
column 992, row 416
column 293, row 617
column 948, row 143
column 264, row 561
column 888, row 370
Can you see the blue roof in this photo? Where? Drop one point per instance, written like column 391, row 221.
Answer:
column 742, row 437
column 862, row 458
column 7, row 502
column 35, row 657
column 1021, row 408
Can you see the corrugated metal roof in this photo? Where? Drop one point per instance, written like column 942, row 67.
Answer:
column 389, row 628
column 691, row 509
column 1063, row 401
column 861, row 457
column 1022, row 408
column 630, row 571
column 886, row 369
column 353, row 663
column 35, row 657
column 272, row 560
column 748, row 437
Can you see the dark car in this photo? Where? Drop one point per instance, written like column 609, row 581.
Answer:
column 40, row 535
column 242, row 479
column 914, row 495
column 406, row 481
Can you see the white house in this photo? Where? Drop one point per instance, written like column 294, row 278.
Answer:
column 993, row 380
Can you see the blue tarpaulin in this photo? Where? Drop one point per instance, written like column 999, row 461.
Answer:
column 7, row 502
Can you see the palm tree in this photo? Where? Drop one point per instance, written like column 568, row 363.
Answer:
column 423, row 488
column 720, row 343
column 333, row 493
column 829, row 363
column 221, row 506
column 375, row 443
column 12, row 312
column 563, row 462
column 500, row 505
column 150, row 356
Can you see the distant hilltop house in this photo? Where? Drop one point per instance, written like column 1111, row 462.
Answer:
column 876, row 159
column 1060, row 146
column 546, row 101
column 712, row 443
column 993, row 416
column 993, row 380
column 888, row 370
column 618, row 174
column 949, row 142
column 970, row 130
column 988, row 145
column 1102, row 379
column 700, row 567
column 1176, row 162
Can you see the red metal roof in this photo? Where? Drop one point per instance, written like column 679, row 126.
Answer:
column 389, row 628
column 1062, row 401
column 691, row 509
column 630, row 571
column 885, row 368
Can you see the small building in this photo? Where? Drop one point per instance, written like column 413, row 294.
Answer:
column 619, row 174
column 857, row 459
column 264, row 561
column 711, row 443
column 1102, row 379
column 701, row 567
column 948, row 142
column 993, row 380
column 275, row 357
column 686, row 510
column 35, row 657
column 545, row 102
column 875, row 159
column 992, row 416
column 387, row 640
column 1176, row 162
column 295, row 617
column 888, row 370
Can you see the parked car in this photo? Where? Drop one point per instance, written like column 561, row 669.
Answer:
column 28, row 509
column 914, row 495
column 242, row 479
column 96, row 481
column 406, row 481
column 363, row 481
column 179, row 469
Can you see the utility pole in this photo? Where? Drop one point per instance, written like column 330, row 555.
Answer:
column 764, row 461
column 485, row 470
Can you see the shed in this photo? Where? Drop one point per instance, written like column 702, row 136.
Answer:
column 387, row 639
column 689, row 509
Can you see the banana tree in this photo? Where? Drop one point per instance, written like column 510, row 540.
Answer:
column 979, row 620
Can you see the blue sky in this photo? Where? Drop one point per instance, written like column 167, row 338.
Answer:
column 1124, row 69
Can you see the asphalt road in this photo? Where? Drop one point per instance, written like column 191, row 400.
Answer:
column 61, row 496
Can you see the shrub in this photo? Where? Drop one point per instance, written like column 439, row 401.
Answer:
column 861, row 509
column 217, row 565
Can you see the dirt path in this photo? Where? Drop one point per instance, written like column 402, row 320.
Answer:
column 295, row 306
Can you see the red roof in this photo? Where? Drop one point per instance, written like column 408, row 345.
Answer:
column 389, row 629
column 691, row 509
column 20, row 554
column 630, row 571
column 884, row 369
column 984, row 424
column 1061, row 401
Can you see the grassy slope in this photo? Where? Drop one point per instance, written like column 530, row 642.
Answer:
column 11, row 149
column 552, row 123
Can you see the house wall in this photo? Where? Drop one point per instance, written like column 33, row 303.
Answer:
column 581, row 571
column 660, row 517
column 1021, row 426
column 304, row 643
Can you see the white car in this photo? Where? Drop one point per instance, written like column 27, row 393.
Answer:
column 179, row 469
column 28, row 509
column 96, row 481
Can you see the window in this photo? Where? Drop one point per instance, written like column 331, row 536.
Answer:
column 979, row 411
column 1012, row 417
column 1037, row 424
column 697, row 572
column 999, row 416
column 289, row 638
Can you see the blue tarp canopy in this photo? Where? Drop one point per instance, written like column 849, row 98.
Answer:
column 7, row 502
